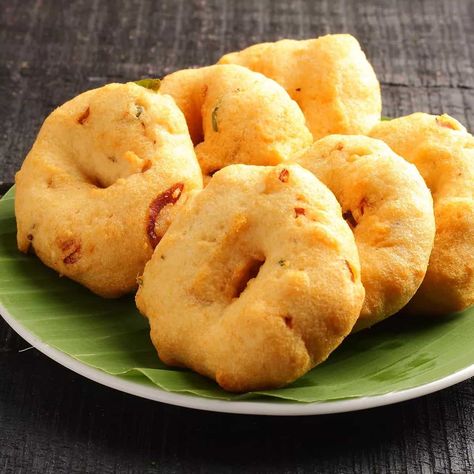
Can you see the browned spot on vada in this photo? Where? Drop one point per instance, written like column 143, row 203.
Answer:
column 167, row 198
column 84, row 191
column 243, row 292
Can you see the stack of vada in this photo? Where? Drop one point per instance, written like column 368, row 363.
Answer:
column 259, row 207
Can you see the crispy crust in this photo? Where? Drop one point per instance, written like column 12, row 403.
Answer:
column 443, row 151
column 329, row 77
column 84, row 191
column 237, row 116
column 245, row 290
column 390, row 210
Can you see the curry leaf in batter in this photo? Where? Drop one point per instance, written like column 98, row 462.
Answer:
column 148, row 83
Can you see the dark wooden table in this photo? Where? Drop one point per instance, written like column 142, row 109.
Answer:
column 52, row 420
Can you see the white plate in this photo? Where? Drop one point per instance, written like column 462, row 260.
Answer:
column 242, row 407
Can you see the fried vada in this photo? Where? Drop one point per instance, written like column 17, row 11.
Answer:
column 443, row 151
column 99, row 187
column 329, row 77
column 256, row 281
column 237, row 116
column 389, row 208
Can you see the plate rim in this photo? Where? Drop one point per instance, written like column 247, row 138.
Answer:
column 243, row 407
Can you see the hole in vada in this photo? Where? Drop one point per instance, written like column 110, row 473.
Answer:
column 288, row 321
column 95, row 182
column 246, row 273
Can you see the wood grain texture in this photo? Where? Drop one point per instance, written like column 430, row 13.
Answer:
column 52, row 420
column 52, row 50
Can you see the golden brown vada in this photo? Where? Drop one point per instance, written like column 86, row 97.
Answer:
column 237, row 116
column 96, row 191
column 443, row 151
column 256, row 281
column 329, row 77
column 389, row 208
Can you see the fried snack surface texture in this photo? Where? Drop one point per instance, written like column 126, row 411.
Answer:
column 237, row 116
column 389, row 208
column 329, row 77
column 443, row 151
column 98, row 188
column 256, row 281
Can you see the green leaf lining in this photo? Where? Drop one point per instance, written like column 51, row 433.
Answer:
column 111, row 335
